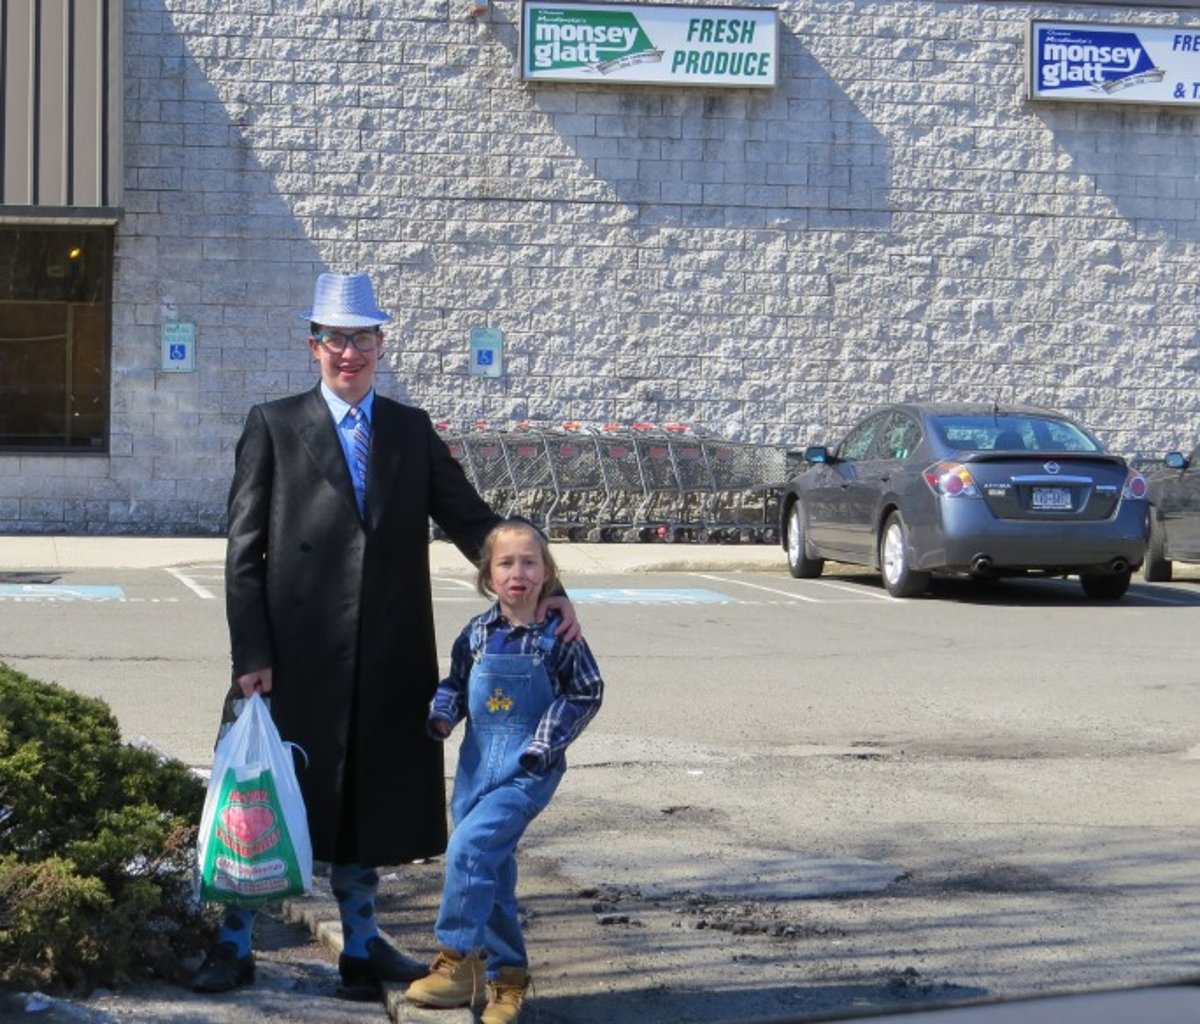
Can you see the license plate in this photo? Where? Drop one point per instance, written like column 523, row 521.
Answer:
column 1051, row 497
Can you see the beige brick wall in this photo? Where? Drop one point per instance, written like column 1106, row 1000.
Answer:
column 894, row 220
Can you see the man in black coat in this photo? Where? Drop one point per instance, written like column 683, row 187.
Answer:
column 330, row 614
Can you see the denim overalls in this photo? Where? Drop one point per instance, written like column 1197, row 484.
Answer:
column 494, row 801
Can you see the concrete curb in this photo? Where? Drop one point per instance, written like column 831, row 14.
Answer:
column 319, row 913
column 54, row 552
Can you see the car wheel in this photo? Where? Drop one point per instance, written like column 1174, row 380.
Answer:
column 1157, row 567
column 1107, row 586
column 898, row 576
column 799, row 564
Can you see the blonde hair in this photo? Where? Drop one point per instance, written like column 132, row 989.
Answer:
column 483, row 576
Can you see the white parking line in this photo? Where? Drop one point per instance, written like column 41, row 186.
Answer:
column 759, row 586
column 202, row 592
column 63, row 599
column 858, row 591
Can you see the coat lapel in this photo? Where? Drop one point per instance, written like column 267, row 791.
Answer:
column 319, row 437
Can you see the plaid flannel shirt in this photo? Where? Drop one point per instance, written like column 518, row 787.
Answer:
column 571, row 668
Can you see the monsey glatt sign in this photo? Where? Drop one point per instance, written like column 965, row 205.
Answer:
column 1102, row 63
column 736, row 47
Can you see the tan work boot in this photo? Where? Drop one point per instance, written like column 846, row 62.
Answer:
column 454, row 980
column 505, row 996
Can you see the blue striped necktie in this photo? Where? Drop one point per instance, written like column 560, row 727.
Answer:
column 360, row 443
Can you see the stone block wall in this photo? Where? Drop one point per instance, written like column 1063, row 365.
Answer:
column 894, row 220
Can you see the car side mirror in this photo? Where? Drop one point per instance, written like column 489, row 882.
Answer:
column 816, row 453
column 1175, row 460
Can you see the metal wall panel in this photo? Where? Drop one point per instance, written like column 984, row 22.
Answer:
column 60, row 104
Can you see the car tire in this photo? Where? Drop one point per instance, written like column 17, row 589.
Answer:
column 898, row 576
column 1157, row 566
column 800, row 565
column 1109, row 586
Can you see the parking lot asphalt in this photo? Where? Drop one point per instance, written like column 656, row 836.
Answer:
column 297, row 976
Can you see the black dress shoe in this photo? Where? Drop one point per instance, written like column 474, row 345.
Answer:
column 363, row 976
column 224, row 970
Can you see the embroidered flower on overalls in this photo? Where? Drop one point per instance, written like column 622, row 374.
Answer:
column 498, row 701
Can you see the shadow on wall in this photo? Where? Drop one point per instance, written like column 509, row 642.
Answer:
column 226, row 190
column 1139, row 161
column 215, row 233
column 263, row 171
column 1132, row 170
column 800, row 156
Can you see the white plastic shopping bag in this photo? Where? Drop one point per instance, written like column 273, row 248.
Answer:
column 254, row 845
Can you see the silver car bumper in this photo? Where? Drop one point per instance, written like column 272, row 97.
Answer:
column 970, row 538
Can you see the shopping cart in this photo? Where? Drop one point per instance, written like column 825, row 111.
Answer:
column 691, row 512
column 747, row 481
column 624, row 485
column 657, row 514
column 580, row 488
column 528, row 460
column 492, row 473
column 625, row 482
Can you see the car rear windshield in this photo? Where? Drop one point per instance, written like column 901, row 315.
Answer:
column 1012, row 433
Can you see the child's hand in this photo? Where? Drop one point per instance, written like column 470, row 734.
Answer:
column 535, row 759
column 440, row 726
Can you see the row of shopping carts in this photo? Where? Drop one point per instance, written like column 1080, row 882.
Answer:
column 626, row 482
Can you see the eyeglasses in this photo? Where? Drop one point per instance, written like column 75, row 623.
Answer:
column 336, row 342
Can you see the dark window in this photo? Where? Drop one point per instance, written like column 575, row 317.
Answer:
column 858, row 442
column 55, row 292
column 899, row 437
column 1012, row 431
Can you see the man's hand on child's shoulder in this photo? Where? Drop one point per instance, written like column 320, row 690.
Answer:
column 568, row 629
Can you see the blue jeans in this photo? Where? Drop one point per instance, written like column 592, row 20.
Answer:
column 493, row 803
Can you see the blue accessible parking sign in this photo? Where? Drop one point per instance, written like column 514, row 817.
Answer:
column 178, row 347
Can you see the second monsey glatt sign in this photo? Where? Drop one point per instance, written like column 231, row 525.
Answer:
column 1112, row 63
column 735, row 47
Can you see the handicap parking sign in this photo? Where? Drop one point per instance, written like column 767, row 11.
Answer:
column 178, row 347
column 487, row 352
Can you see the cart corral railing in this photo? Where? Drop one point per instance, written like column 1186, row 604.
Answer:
column 633, row 482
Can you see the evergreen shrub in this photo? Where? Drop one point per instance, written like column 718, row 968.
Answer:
column 97, row 846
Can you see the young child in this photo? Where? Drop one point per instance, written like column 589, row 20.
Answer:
column 525, row 695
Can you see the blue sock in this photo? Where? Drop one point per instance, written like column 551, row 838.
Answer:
column 236, row 928
column 355, row 887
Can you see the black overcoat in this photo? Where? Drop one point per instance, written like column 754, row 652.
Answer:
column 342, row 612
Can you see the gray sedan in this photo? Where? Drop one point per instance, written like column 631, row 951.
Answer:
column 915, row 489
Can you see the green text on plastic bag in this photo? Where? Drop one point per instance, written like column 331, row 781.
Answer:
column 250, row 857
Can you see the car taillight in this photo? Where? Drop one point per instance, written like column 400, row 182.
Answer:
column 951, row 480
column 1135, row 486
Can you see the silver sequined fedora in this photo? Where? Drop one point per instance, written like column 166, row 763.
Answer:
column 345, row 300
